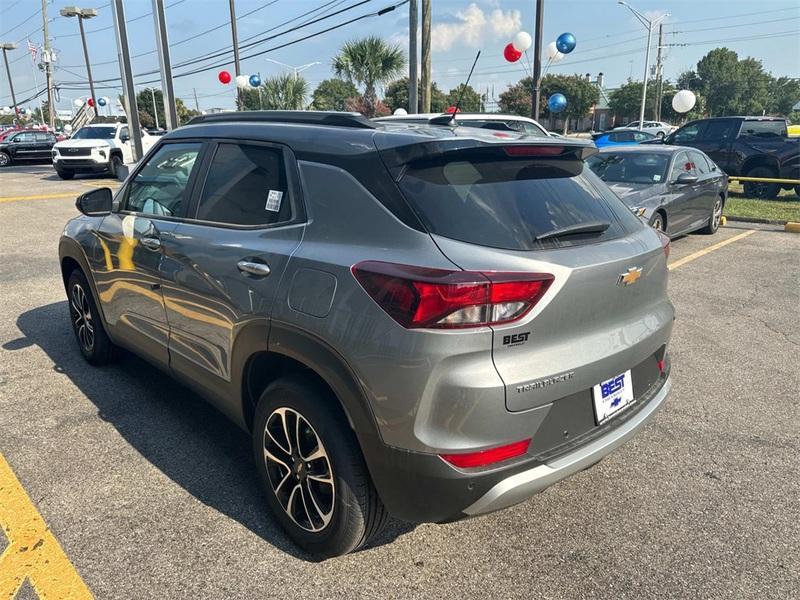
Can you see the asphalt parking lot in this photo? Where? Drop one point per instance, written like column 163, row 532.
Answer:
column 151, row 493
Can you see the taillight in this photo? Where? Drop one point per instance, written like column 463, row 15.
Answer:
column 534, row 150
column 664, row 243
column 482, row 458
column 419, row 297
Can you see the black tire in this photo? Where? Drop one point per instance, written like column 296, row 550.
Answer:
column 349, row 502
column 93, row 341
column 66, row 174
column 766, row 191
column 114, row 163
column 5, row 159
column 660, row 135
column 715, row 217
column 658, row 222
column 797, row 190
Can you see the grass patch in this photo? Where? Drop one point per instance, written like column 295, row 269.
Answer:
column 786, row 207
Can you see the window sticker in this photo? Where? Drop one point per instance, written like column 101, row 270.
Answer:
column 656, row 178
column 274, row 199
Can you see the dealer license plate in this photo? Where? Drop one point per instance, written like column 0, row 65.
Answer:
column 611, row 396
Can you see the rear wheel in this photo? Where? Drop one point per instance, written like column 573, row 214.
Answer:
column 797, row 190
column 66, row 174
column 759, row 189
column 312, row 470
column 5, row 159
column 660, row 135
column 90, row 334
column 715, row 217
column 657, row 222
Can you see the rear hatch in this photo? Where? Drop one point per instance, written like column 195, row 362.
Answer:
column 539, row 209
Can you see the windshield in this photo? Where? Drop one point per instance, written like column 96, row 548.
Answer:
column 514, row 203
column 501, row 125
column 95, row 133
column 630, row 167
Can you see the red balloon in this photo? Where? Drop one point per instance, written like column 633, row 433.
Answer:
column 451, row 109
column 224, row 77
column 91, row 102
column 511, row 54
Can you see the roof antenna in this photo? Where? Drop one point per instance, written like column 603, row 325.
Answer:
column 463, row 89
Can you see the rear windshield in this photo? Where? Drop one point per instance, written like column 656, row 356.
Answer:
column 509, row 203
column 630, row 167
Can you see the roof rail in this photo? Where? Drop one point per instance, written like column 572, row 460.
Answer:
column 303, row 117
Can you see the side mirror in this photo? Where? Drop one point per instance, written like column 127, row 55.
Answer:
column 686, row 179
column 95, row 203
column 124, row 137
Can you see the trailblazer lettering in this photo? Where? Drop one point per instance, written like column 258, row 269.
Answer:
column 543, row 383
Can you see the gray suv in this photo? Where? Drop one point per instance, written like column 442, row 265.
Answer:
column 427, row 322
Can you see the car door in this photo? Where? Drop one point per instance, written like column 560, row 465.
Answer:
column 131, row 240
column 44, row 142
column 708, row 185
column 716, row 140
column 688, row 134
column 23, row 146
column 682, row 198
column 224, row 264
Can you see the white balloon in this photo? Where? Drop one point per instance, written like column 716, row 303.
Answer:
column 242, row 81
column 684, row 101
column 78, row 102
column 400, row 111
column 522, row 41
column 551, row 53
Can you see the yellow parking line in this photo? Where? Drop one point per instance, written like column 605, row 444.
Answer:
column 33, row 553
column 39, row 197
column 686, row 259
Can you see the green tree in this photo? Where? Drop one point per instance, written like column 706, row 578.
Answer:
column 516, row 99
column 148, row 112
column 625, row 101
column 471, row 101
column 284, row 92
column 581, row 96
column 368, row 62
column 332, row 94
column 784, row 93
column 396, row 96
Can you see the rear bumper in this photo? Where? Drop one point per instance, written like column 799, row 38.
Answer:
column 420, row 487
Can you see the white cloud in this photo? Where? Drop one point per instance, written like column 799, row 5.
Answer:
column 472, row 26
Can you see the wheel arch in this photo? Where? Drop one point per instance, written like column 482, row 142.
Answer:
column 770, row 162
column 71, row 256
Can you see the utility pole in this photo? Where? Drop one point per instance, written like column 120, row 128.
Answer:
column 47, row 58
column 6, row 47
column 155, row 108
column 536, row 92
column 413, row 57
column 129, row 93
column 237, row 67
column 659, row 73
column 162, row 45
column 196, row 103
column 426, row 56
column 84, row 13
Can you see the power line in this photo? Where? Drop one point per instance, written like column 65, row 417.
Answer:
column 748, row 24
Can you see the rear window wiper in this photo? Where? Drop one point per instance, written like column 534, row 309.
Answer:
column 590, row 227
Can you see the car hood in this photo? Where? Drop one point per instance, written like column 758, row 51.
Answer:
column 84, row 144
column 636, row 194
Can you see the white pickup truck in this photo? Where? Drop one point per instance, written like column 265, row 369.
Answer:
column 98, row 148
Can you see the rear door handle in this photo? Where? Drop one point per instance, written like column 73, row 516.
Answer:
column 151, row 243
column 259, row 269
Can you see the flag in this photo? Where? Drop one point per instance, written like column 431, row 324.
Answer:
column 34, row 50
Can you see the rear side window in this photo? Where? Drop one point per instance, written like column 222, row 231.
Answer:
column 720, row 130
column 45, row 137
column 246, row 185
column 508, row 203
column 764, row 129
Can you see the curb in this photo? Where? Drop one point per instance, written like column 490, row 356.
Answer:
column 755, row 220
column 792, row 227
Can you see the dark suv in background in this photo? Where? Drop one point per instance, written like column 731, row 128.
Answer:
column 424, row 321
column 26, row 146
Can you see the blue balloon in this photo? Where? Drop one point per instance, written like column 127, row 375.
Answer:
column 101, row 101
column 566, row 43
column 255, row 80
column 556, row 103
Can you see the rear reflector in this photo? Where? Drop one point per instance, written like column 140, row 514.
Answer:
column 483, row 458
column 419, row 297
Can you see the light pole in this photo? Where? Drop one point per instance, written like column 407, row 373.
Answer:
column 236, row 64
column 297, row 70
column 155, row 108
column 83, row 13
column 648, row 23
column 6, row 46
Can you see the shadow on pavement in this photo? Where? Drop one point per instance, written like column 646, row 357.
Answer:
column 173, row 428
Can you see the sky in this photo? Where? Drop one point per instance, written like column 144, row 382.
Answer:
column 610, row 40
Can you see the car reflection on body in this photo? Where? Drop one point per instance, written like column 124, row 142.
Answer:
column 676, row 190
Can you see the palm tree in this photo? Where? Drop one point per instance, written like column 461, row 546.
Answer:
column 284, row 92
column 369, row 61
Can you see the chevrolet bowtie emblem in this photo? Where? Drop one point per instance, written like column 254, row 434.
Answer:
column 631, row 276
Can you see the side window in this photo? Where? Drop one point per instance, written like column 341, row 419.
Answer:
column 680, row 165
column 625, row 136
column 641, row 137
column 123, row 134
column 246, row 185
column 720, row 130
column 689, row 133
column 159, row 188
column 26, row 136
column 532, row 129
column 700, row 163
column 44, row 137
column 765, row 129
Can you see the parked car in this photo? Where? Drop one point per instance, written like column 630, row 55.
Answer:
column 8, row 131
column 676, row 190
column 657, row 128
column 26, row 145
column 625, row 137
column 495, row 121
column 96, row 148
column 746, row 146
column 424, row 346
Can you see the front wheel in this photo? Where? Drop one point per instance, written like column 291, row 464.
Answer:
column 113, row 166
column 90, row 334
column 5, row 159
column 657, row 222
column 714, row 218
column 66, row 174
column 312, row 470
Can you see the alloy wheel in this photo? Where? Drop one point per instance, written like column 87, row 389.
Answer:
column 716, row 217
column 82, row 317
column 3, row 159
column 658, row 223
column 299, row 469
